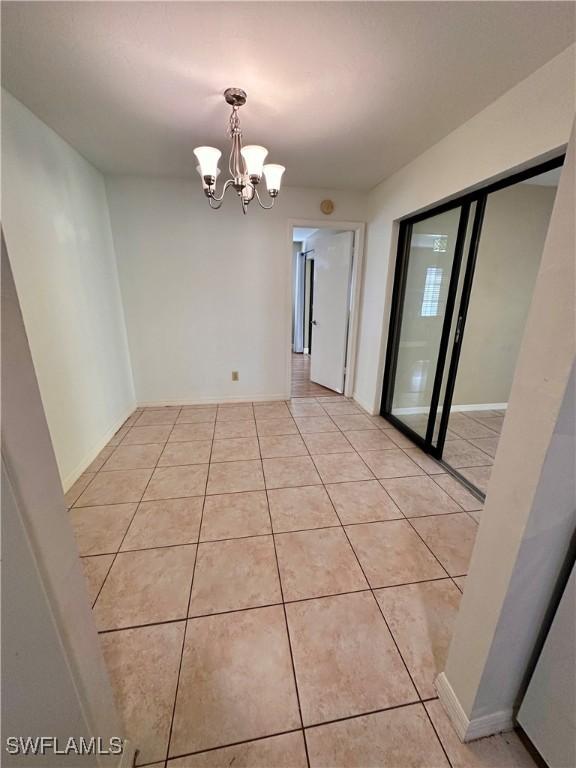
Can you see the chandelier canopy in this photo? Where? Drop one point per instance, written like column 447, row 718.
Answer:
column 245, row 164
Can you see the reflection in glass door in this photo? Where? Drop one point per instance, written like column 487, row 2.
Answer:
column 464, row 271
column 433, row 252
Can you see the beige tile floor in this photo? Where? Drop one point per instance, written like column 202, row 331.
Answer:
column 472, row 449
column 471, row 443
column 275, row 586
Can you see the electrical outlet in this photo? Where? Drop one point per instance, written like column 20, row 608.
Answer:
column 235, row 376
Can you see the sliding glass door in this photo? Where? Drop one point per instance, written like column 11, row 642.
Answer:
column 434, row 278
column 432, row 253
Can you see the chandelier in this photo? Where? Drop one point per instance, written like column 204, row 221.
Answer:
column 245, row 164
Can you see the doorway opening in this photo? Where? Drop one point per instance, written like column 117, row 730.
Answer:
column 325, row 264
column 464, row 279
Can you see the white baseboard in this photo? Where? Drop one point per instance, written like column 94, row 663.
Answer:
column 457, row 408
column 365, row 407
column 481, row 407
column 478, row 727
column 214, row 400
column 70, row 479
column 452, row 706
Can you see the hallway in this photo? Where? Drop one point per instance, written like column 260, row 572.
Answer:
column 226, row 548
column 301, row 384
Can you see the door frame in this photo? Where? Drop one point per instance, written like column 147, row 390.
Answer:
column 445, row 355
column 310, row 297
column 359, row 229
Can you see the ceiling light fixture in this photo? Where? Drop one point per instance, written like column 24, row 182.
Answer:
column 246, row 164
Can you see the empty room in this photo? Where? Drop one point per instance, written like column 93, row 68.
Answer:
column 288, row 389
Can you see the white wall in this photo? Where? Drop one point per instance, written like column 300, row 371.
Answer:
column 531, row 121
column 527, row 526
column 57, row 229
column 64, row 690
column 208, row 292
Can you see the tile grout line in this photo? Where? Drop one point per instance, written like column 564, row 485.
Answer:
column 391, row 634
column 273, row 533
column 271, row 605
column 409, row 519
column 186, row 620
column 284, row 607
column 353, row 451
column 129, row 524
column 298, row 730
column 406, row 518
column 387, row 625
column 125, row 532
column 433, row 477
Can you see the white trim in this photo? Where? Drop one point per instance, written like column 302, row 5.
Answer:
column 455, row 408
column 452, row 706
column 477, row 728
column 70, row 479
column 365, row 407
column 490, row 725
column 481, row 407
column 206, row 400
column 359, row 229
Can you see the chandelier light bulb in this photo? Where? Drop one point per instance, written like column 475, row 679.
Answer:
column 254, row 157
column 208, row 159
column 273, row 174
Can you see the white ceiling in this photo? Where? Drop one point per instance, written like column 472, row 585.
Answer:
column 342, row 93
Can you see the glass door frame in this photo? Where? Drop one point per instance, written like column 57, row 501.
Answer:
column 465, row 202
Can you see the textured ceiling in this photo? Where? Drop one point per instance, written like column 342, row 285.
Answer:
column 343, row 94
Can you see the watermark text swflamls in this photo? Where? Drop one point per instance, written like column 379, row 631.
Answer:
column 52, row 745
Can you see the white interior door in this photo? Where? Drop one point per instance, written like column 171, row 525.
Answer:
column 331, row 305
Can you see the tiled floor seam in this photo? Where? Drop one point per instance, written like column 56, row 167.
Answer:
column 131, row 520
column 285, row 614
column 420, row 699
column 130, row 523
column 378, row 604
column 440, row 474
column 233, row 744
column 408, row 519
column 273, row 533
column 285, row 602
column 187, row 608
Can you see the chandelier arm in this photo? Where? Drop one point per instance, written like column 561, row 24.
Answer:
column 266, row 207
column 212, row 205
column 215, row 197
